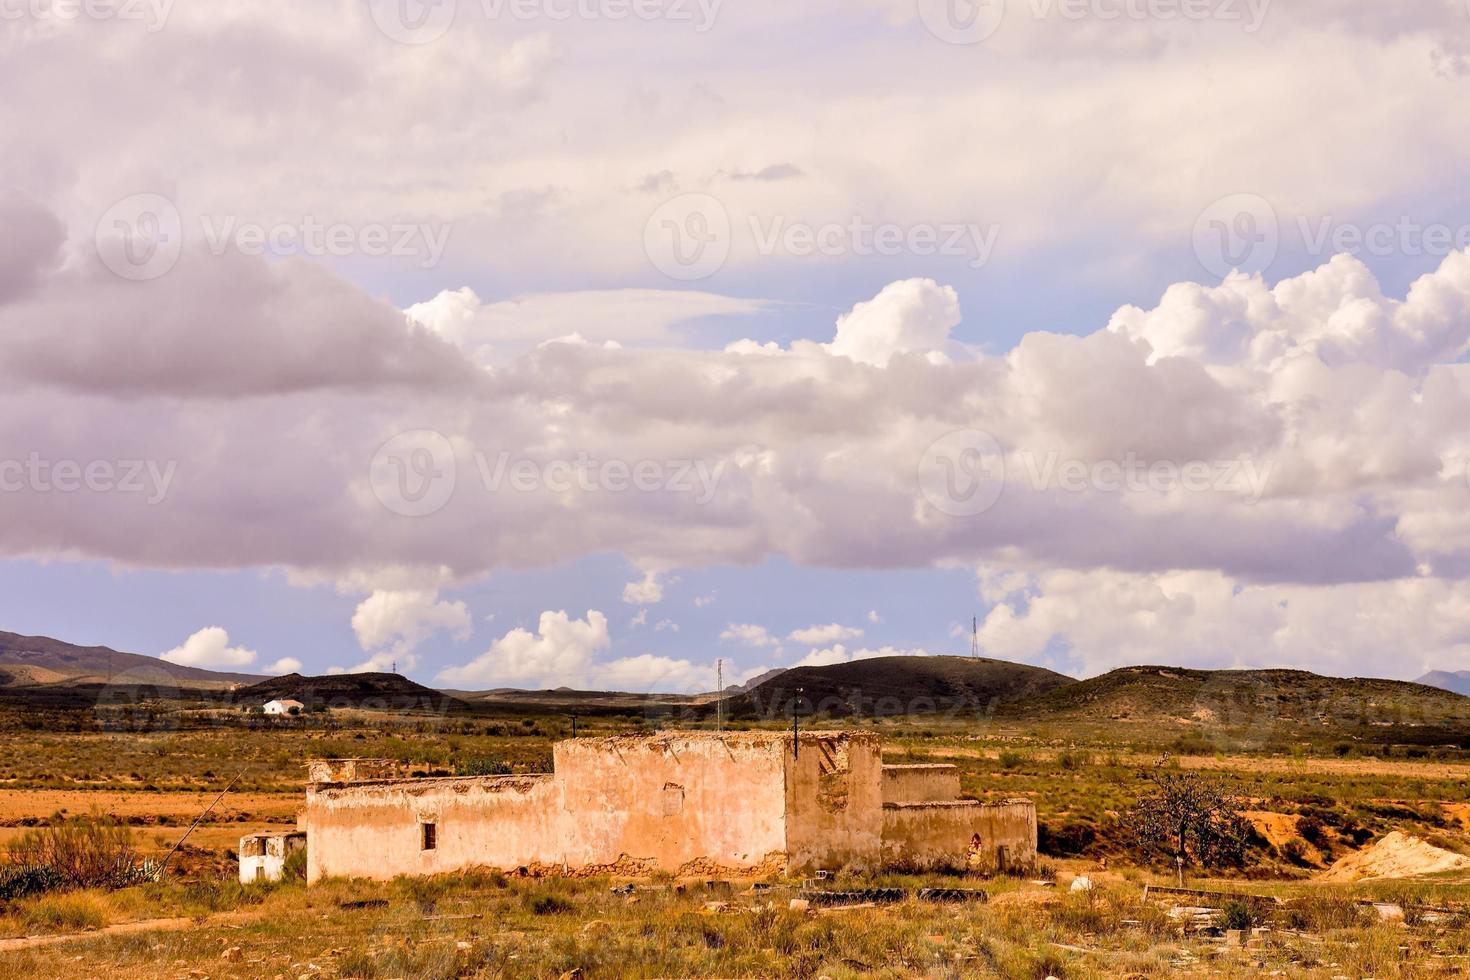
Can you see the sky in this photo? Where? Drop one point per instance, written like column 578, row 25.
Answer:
column 537, row 343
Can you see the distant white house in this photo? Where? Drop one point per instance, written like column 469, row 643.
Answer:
column 283, row 707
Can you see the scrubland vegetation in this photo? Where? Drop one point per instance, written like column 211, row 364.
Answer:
column 79, row 872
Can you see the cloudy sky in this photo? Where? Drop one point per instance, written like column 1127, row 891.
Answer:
column 583, row 342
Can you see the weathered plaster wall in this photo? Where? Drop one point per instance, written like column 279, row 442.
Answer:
column 374, row 830
column 961, row 835
column 675, row 802
column 263, row 856
column 926, row 783
column 834, row 801
column 353, row 770
column 687, row 803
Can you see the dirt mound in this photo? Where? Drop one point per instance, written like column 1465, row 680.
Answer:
column 1279, row 828
column 1396, row 856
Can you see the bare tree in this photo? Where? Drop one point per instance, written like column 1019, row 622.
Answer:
column 1188, row 816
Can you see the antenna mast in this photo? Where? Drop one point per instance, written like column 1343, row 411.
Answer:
column 975, row 636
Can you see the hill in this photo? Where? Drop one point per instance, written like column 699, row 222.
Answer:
column 956, row 686
column 1457, row 681
column 1258, row 704
column 566, row 701
column 40, row 662
column 379, row 691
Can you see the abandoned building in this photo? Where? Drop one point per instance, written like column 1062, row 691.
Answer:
column 681, row 802
column 263, row 856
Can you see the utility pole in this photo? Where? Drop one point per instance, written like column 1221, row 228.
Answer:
column 162, row 867
column 719, row 696
column 574, row 726
column 795, row 731
column 975, row 637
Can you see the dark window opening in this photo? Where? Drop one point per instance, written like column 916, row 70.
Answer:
column 430, row 837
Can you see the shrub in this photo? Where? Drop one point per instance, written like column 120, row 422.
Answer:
column 547, row 904
column 1068, row 839
column 55, row 913
column 1011, row 759
column 1314, row 831
column 294, row 868
column 86, row 852
column 1294, row 851
column 1319, row 913
column 483, row 767
column 23, row 882
column 1237, row 915
column 1073, row 760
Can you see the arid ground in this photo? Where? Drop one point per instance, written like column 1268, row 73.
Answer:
column 1311, row 804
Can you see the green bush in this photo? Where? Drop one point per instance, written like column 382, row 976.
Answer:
column 1068, row 839
column 294, row 868
column 86, row 852
column 1237, row 915
column 547, row 903
column 23, row 882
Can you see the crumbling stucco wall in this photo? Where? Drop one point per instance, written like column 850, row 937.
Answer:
column 376, row 830
column 678, row 802
column 924, row 783
column 834, row 801
column 960, row 835
column 682, row 802
column 263, row 856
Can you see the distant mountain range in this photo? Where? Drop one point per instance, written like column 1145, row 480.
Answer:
column 1448, row 680
column 1169, row 700
column 40, row 662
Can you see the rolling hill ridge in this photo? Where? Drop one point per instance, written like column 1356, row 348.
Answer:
column 1262, row 703
column 40, row 661
column 894, row 685
column 381, row 691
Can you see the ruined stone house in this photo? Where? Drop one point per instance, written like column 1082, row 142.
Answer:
column 263, row 856
column 682, row 802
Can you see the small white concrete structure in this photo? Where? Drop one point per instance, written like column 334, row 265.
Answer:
column 263, row 856
column 283, row 707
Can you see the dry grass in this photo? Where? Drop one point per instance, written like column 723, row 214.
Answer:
column 487, row 926
column 483, row 925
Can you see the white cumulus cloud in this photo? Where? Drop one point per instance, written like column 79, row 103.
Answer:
column 748, row 634
column 286, row 665
column 390, row 624
column 209, row 648
column 560, row 652
column 816, row 636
